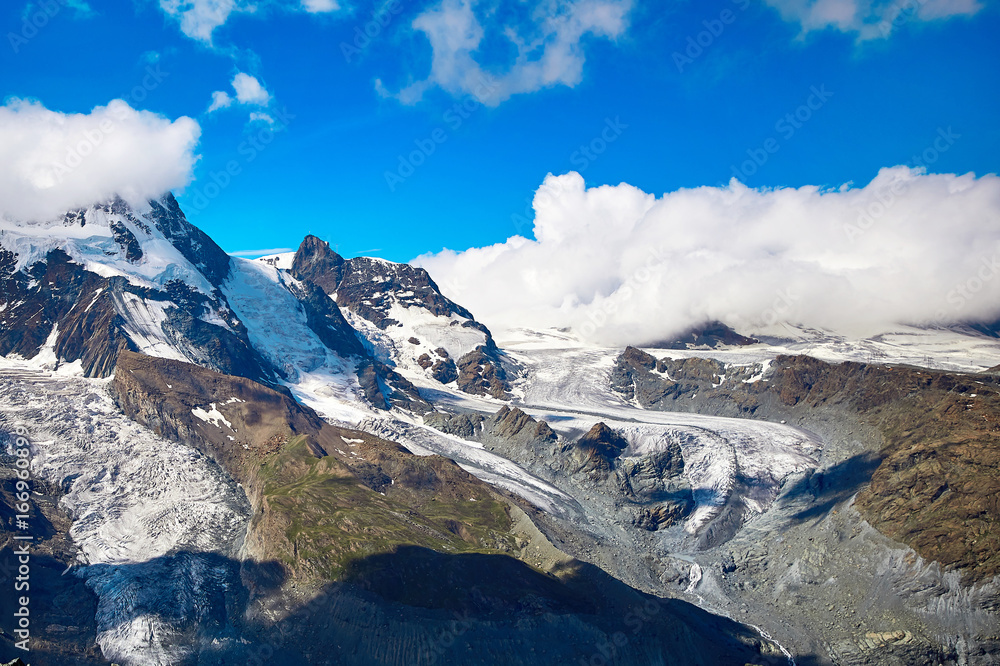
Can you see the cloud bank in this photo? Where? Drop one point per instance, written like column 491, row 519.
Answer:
column 620, row 266
column 870, row 19
column 547, row 46
column 52, row 162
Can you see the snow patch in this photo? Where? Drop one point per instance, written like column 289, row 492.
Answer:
column 213, row 416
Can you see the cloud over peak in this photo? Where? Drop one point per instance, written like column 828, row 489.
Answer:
column 52, row 162
column 620, row 266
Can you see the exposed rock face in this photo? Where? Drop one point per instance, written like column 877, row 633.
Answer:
column 596, row 452
column 326, row 321
column 480, row 373
column 196, row 246
column 380, row 291
column 444, row 370
column 712, row 334
column 385, row 388
column 507, row 430
column 369, row 286
column 90, row 316
column 658, row 383
column 54, row 292
column 650, row 489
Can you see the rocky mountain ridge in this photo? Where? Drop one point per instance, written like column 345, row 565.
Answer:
column 415, row 325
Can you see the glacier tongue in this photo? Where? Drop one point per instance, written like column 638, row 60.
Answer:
column 157, row 523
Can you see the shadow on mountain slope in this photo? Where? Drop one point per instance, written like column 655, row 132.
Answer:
column 826, row 488
column 410, row 607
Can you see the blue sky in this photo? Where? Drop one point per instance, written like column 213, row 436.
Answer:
column 310, row 134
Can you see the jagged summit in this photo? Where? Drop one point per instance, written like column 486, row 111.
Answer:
column 371, row 286
column 408, row 322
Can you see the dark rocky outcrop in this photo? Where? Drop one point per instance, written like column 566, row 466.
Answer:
column 196, row 246
column 58, row 292
column 662, row 383
column 482, row 373
column 711, row 334
column 650, row 488
column 512, row 432
column 595, row 453
column 385, row 388
column 326, row 321
column 127, row 241
column 444, row 370
column 370, row 286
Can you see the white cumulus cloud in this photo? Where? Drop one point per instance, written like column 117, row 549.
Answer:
column 549, row 46
column 52, row 162
column 620, row 266
column 869, row 19
column 249, row 90
column 199, row 18
column 220, row 100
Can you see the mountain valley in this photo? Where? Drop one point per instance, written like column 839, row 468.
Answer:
column 312, row 459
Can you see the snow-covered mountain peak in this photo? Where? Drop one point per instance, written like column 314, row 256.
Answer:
column 151, row 246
